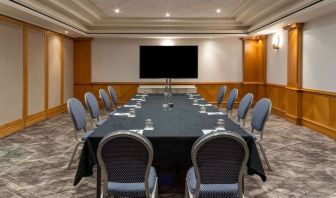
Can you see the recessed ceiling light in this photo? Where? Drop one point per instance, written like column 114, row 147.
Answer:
column 66, row 32
column 218, row 11
column 117, row 11
column 167, row 14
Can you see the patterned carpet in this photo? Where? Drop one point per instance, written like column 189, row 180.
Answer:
column 33, row 163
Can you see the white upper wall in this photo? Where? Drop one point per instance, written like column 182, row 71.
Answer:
column 277, row 59
column 319, row 54
column 117, row 60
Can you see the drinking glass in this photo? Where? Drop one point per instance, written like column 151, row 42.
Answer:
column 131, row 112
column 143, row 97
column 195, row 101
column 220, row 125
column 149, row 125
column 138, row 104
column 203, row 109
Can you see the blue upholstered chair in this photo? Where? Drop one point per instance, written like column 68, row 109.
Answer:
column 220, row 95
column 78, row 117
column 231, row 99
column 244, row 107
column 106, row 102
column 113, row 95
column 219, row 160
column 93, row 107
column 125, row 159
column 260, row 114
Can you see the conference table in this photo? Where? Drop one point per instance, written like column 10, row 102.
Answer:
column 174, row 133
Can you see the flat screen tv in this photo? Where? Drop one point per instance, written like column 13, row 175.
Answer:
column 168, row 61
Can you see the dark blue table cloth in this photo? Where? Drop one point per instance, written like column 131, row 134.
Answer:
column 174, row 134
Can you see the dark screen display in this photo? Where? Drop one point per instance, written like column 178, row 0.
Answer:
column 168, row 61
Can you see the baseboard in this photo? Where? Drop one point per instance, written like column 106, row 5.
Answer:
column 56, row 111
column 326, row 130
column 278, row 111
column 35, row 118
column 11, row 127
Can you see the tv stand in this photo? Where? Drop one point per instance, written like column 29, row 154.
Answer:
column 160, row 89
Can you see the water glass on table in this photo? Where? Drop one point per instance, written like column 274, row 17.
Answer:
column 138, row 104
column 220, row 125
column 149, row 125
column 203, row 109
column 131, row 112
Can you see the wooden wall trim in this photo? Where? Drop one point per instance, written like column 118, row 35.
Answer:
column 46, row 71
column 62, row 71
column 25, row 73
column 322, row 128
column 318, row 107
column 11, row 127
column 159, row 83
column 35, row 118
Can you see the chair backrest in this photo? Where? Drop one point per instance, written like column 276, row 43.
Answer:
column 126, row 157
column 77, row 114
column 220, row 95
column 113, row 94
column 231, row 99
column 220, row 158
column 92, row 105
column 244, row 106
column 105, row 98
column 260, row 114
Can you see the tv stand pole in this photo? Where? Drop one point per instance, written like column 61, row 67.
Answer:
column 168, row 86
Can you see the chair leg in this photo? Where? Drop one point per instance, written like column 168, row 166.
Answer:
column 244, row 121
column 265, row 157
column 155, row 193
column 186, row 191
column 73, row 155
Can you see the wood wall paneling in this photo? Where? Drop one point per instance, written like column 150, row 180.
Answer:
column 255, row 59
column 27, row 96
column 12, row 72
column 294, row 70
column 82, row 60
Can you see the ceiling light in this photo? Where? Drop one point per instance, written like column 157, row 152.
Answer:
column 117, row 11
column 66, row 32
column 167, row 14
column 218, row 11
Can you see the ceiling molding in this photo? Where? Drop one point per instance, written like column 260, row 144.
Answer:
column 83, row 18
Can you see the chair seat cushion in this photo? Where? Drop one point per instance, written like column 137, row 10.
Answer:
column 211, row 190
column 132, row 189
column 100, row 122
column 86, row 135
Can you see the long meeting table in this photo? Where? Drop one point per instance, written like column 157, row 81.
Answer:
column 174, row 133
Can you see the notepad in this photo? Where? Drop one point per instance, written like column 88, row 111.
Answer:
column 121, row 114
column 134, row 106
column 140, row 131
column 215, row 113
column 138, row 99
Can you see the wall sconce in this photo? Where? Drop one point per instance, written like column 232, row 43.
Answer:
column 276, row 41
